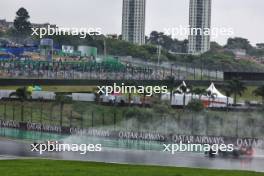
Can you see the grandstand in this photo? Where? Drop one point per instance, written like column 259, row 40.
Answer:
column 83, row 69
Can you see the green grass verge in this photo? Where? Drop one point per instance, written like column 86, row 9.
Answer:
column 75, row 168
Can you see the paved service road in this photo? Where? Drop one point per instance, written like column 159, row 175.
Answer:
column 22, row 149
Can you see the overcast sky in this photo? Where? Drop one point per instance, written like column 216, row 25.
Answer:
column 246, row 17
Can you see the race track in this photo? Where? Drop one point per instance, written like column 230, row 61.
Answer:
column 16, row 148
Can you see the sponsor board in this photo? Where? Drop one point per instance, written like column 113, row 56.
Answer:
column 133, row 135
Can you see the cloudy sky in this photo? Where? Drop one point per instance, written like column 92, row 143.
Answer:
column 246, row 17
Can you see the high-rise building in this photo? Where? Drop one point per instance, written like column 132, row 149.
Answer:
column 133, row 21
column 199, row 23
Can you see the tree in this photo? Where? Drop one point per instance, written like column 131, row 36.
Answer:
column 1, row 33
column 167, row 42
column 228, row 93
column 183, row 89
column 21, row 23
column 22, row 94
column 237, row 88
column 195, row 105
column 260, row 93
column 215, row 46
column 238, row 43
column 212, row 96
column 171, row 81
column 61, row 99
column 200, row 92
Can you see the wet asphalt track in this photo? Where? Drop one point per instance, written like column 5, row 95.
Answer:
column 13, row 148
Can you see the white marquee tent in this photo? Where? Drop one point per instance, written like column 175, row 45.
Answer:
column 217, row 100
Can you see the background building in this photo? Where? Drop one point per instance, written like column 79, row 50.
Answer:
column 6, row 25
column 87, row 51
column 199, row 18
column 133, row 21
column 46, row 49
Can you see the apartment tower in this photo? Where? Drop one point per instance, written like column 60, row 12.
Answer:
column 199, row 22
column 133, row 21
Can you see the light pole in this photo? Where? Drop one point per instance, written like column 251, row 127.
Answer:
column 159, row 53
column 105, row 48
